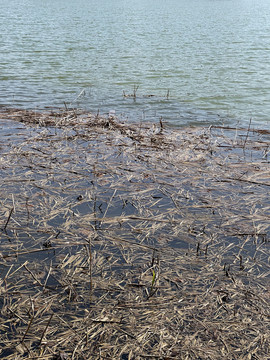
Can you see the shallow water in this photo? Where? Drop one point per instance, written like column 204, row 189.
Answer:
column 212, row 56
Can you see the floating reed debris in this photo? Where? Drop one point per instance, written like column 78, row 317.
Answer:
column 132, row 241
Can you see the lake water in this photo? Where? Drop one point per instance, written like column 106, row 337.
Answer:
column 205, row 61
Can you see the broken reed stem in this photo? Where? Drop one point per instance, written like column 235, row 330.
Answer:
column 45, row 330
column 90, row 264
column 9, row 216
column 27, row 209
column 47, row 277
column 135, row 91
column 161, row 126
column 28, row 327
column 109, row 204
column 247, row 134
column 17, row 253
column 36, row 279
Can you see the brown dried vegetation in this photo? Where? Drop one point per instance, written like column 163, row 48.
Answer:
column 132, row 241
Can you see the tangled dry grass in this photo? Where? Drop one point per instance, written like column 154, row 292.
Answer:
column 132, row 241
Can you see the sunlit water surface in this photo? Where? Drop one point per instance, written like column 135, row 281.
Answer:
column 205, row 61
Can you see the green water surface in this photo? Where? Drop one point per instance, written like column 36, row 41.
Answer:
column 213, row 56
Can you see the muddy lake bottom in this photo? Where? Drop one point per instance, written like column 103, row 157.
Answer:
column 132, row 241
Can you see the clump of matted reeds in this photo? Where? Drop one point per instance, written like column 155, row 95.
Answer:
column 132, row 241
